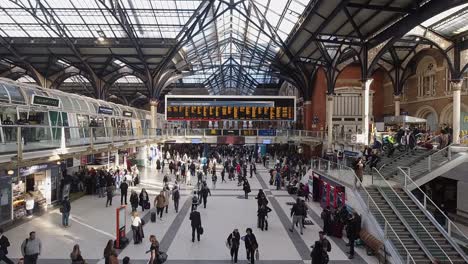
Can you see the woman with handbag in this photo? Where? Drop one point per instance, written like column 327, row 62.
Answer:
column 154, row 250
column 110, row 256
column 144, row 200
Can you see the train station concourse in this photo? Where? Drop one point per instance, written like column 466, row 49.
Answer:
column 233, row 131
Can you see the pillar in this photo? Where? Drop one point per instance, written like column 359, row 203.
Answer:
column 308, row 115
column 396, row 99
column 154, row 111
column 365, row 110
column 329, row 122
column 116, row 163
column 456, row 90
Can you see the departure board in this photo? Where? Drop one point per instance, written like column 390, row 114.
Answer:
column 211, row 108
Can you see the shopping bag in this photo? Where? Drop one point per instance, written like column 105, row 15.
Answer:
column 257, row 254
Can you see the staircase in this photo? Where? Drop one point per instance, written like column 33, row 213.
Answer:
column 433, row 240
column 410, row 158
column 403, row 238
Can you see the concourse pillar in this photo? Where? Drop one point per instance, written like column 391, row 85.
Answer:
column 396, row 99
column 308, row 115
column 154, row 111
column 330, row 122
column 365, row 109
column 456, row 90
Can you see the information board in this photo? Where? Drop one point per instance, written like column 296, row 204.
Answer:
column 211, row 108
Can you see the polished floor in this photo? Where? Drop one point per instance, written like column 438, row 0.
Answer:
column 92, row 225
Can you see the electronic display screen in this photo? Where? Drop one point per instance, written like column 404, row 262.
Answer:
column 212, row 108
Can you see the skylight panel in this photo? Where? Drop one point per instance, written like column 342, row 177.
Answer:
column 443, row 15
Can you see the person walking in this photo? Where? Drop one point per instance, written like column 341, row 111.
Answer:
column 195, row 201
column 195, row 219
column 176, row 198
column 160, row 203
column 233, row 241
column 65, row 210
column 326, row 246
column 204, row 193
column 144, row 200
column 251, row 245
column 4, row 244
column 351, row 232
column 134, row 200
column 154, row 249
column 246, row 188
column 31, row 248
column 136, row 223
column 110, row 256
column 297, row 215
column 110, row 194
column 75, row 255
column 167, row 196
column 123, row 192
column 262, row 214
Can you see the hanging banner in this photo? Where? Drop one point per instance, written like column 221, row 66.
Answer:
column 464, row 121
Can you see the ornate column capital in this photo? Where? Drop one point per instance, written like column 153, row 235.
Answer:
column 396, row 97
column 154, row 102
column 456, row 85
column 330, row 97
column 365, row 83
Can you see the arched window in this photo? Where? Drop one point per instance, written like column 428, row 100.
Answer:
column 426, row 77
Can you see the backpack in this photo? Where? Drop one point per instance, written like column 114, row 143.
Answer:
column 328, row 244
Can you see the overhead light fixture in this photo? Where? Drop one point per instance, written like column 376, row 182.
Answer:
column 62, row 62
column 119, row 63
column 277, row 49
column 10, row 172
column 417, row 39
column 58, row 162
column 101, row 36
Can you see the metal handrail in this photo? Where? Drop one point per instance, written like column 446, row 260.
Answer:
column 409, row 210
column 450, row 223
column 371, row 200
column 447, row 148
column 381, row 167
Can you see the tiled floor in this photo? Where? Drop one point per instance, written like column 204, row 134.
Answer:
column 93, row 224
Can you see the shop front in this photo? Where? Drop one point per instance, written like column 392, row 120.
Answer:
column 32, row 189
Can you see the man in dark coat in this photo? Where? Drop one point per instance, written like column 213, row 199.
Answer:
column 4, row 244
column 326, row 217
column 204, row 193
column 195, row 223
column 351, row 231
column 123, row 192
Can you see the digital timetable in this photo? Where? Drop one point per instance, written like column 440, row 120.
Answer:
column 260, row 108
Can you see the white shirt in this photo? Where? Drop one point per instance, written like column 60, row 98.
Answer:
column 136, row 221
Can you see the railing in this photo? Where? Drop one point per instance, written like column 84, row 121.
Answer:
column 445, row 152
column 420, row 229
column 452, row 230
column 325, row 166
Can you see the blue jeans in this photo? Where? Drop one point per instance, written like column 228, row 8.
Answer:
column 65, row 217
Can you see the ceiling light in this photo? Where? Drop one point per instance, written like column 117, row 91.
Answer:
column 63, row 62
column 119, row 63
column 417, row 39
column 101, row 39
column 277, row 49
column 58, row 162
column 10, row 172
column 101, row 36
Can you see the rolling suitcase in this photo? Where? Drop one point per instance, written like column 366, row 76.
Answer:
column 153, row 217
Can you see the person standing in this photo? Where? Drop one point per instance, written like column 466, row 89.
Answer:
column 246, row 188
column 4, row 244
column 136, row 223
column 75, row 255
column 110, row 256
column 167, row 197
column 134, row 200
column 326, row 246
column 110, row 194
column 31, row 248
column 359, row 168
column 123, row 192
column 176, row 198
column 251, row 245
column 144, row 200
column 204, row 193
column 214, row 179
column 65, row 210
column 297, row 215
column 195, row 201
column 160, row 203
column 233, row 242
column 195, row 219
column 351, row 232
column 317, row 254
column 326, row 217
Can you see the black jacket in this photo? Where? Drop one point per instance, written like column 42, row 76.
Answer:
column 234, row 240
column 66, row 207
column 4, row 244
column 124, row 187
column 134, row 200
column 205, row 191
column 251, row 242
column 195, row 218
